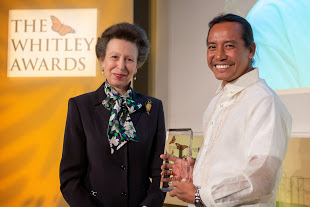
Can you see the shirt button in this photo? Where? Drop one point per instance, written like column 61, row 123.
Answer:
column 221, row 105
column 211, row 123
column 231, row 91
column 123, row 193
column 123, row 167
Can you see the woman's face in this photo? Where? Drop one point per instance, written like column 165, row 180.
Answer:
column 120, row 63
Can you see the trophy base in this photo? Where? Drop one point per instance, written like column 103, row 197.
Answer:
column 165, row 190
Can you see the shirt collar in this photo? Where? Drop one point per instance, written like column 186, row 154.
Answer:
column 240, row 83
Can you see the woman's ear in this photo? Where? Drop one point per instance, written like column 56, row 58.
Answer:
column 102, row 63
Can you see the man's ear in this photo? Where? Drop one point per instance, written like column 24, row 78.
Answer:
column 252, row 50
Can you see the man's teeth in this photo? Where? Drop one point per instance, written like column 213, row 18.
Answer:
column 222, row 66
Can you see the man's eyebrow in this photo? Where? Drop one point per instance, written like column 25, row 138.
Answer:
column 231, row 41
column 228, row 41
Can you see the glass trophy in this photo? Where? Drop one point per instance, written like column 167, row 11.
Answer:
column 179, row 144
column 197, row 142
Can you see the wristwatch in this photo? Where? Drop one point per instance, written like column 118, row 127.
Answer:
column 198, row 201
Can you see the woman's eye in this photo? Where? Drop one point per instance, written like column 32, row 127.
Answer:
column 113, row 56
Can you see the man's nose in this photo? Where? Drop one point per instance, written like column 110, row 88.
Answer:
column 221, row 54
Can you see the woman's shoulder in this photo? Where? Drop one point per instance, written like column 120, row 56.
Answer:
column 85, row 98
column 96, row 97
column 84, row 95
column 146, row 98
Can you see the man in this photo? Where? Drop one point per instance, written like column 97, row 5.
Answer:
column 246, row 128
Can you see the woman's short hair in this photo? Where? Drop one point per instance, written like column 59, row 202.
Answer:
column 128, row 32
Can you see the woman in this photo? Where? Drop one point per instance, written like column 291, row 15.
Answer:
column 114, row 136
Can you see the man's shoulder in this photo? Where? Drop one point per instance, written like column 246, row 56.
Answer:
column 260, row 89
column 260, row 92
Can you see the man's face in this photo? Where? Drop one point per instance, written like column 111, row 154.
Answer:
column 227, row 55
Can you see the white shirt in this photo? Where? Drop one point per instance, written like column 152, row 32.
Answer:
column 246, row 135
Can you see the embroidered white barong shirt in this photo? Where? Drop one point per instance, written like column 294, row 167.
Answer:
column 246, row 134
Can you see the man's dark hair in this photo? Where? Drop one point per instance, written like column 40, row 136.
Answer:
column 247, row 32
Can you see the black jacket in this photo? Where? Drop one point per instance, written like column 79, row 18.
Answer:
column 91, row 176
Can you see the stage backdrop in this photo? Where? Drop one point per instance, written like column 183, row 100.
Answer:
column 33, row 109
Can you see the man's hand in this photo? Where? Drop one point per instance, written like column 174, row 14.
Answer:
column 179, row 168
column 185, row 191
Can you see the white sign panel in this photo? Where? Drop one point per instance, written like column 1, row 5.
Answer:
column 52, row 43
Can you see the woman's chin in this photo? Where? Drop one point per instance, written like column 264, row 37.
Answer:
column 119, row 83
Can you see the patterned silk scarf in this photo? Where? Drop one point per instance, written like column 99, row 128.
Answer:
column 120, row 129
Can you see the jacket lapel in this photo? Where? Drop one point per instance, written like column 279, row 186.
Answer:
column 101, row 113
column 136, row 115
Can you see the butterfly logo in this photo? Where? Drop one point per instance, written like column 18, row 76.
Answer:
column 148, row 106
column 180, row 147
column 60, row 28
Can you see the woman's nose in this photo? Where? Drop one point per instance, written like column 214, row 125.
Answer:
column 121, row 63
